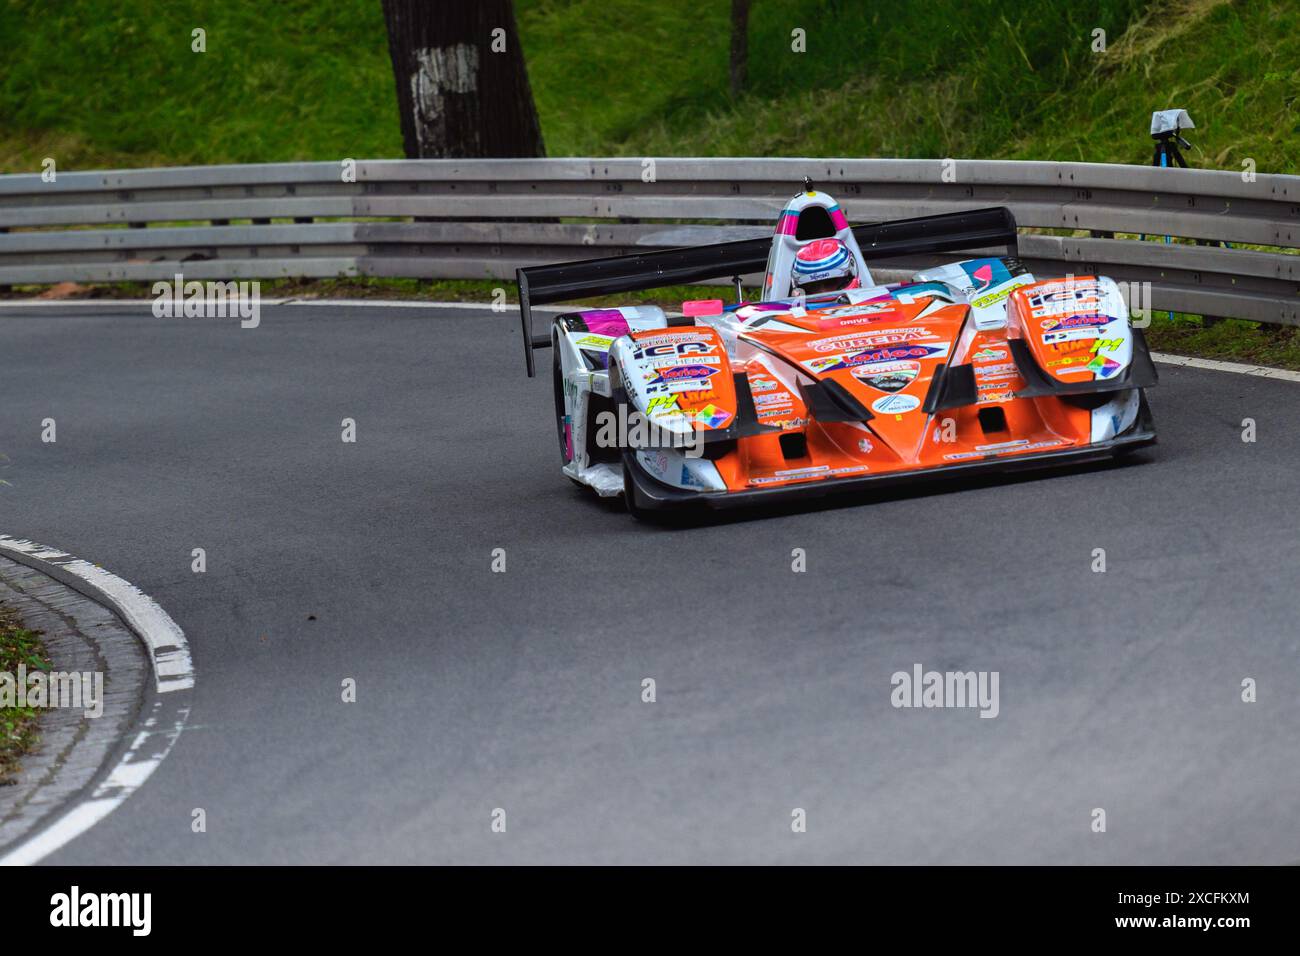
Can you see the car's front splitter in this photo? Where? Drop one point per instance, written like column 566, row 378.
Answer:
column 652, row 494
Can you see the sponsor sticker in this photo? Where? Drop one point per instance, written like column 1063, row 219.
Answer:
column 824, row 364
column 869, row 308
column 998, row 370
column 591, row 341
column 845, row 343
column 1075, row 321
column 1070, row 335
column 890, row 354
column 662, row 405
column 888, row 376
column 1064, row 297
column 655, row 462
column 690, row 360
column 668, row 350
column 815, row 471
column 1104, row 366
column 896, row 404
column 712, row 416
column 682, row 373
column 1003, row 448
column 1000, row 294
column 671, row 335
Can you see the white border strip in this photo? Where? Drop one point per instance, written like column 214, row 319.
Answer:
column 169, row 653
column 1263, row 371
column 508, row 308
column 28, row 303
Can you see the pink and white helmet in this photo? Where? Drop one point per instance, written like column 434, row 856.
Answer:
column 824, row 265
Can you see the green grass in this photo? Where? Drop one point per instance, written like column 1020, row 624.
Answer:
column 910, row 79
column 995, row 80
column 18, row 735
column 101, row 83
column 1233, row 340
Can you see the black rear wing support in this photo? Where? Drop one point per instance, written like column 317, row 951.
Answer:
column 947, row 232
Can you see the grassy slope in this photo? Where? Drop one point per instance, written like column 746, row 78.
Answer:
column 303, row 80
column 897, row 78
column 101, row 83
column 980, row 78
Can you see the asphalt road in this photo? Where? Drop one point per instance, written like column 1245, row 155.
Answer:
column 522, row 690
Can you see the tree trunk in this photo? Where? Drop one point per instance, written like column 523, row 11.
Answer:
column 739, row 45
column 462, row 86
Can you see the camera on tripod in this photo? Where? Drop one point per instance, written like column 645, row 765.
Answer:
column 1166, row 130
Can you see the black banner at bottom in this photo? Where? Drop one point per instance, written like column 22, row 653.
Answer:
column 334, row 905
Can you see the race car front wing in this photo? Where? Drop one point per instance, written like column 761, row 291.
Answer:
column 652, row 494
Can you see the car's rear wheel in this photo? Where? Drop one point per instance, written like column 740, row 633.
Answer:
column 563, row 429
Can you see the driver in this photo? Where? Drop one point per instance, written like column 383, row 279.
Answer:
column 824, row 265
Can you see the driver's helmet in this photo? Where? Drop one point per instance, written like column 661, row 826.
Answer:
column 824, row 265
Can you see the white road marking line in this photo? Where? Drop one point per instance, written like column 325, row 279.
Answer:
column 147, row 752
column 27, row 303
column 511, row 307
column 173, row 670
column 353, row 303
column 1214, row 365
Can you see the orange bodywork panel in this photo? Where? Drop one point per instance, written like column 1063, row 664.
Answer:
column 694, row 383
column 886, row 355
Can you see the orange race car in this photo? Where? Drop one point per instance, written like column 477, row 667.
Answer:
column 833, row 381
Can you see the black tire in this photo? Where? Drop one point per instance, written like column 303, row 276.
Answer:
column 557, row 384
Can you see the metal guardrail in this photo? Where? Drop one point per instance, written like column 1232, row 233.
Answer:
column 485, row 218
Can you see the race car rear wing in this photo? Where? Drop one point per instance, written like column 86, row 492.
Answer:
column 948, row 232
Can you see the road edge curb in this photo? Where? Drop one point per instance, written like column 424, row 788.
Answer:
column 162, row 718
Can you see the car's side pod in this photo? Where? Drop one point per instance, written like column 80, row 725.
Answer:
column 1073, row 337
column 1141, row 373
column 682, row 382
